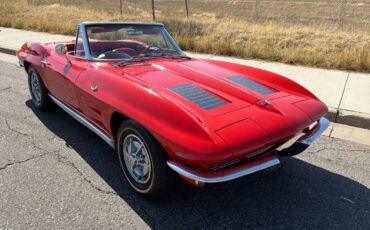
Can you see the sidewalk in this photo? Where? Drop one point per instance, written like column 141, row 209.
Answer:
column 346, row 93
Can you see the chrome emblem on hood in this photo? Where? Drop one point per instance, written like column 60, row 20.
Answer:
column 264, row 103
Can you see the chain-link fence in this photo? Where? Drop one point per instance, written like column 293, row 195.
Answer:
column 339, row 14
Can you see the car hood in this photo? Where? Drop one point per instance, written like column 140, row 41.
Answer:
column 222, row 98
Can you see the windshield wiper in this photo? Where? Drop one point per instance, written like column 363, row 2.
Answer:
column 129, row 61
column 163, row 54
column 176, row 56
column 147, row 57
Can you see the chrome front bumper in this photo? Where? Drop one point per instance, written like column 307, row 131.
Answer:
column 306, row 140
column 18, row 64
column 251, row 167
column 221, row 176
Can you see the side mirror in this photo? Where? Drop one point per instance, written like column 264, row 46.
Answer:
column 60, row 49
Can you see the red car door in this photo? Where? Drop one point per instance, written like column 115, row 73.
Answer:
column 92, row 89
column 61, row 75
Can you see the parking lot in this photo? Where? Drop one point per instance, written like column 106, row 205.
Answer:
column 56, row 173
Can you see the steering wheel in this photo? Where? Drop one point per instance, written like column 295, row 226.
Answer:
column 114, row 54
column 149, row 47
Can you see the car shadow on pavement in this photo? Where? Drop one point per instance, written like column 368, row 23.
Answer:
column 297, row 196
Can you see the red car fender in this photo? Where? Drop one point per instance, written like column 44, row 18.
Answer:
column 32, row 53
column 179, row 131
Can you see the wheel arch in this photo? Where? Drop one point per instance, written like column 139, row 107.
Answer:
column 116, row 119
column 26, row 65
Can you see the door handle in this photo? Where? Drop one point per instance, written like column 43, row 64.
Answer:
column 45, row 63
column 94, row 88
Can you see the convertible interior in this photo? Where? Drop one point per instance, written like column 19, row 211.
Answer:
column 123, row 42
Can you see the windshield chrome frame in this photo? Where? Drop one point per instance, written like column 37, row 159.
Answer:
column 86, row 44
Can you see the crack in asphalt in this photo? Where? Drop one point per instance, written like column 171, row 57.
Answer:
column 54, row 137
column 339, row 161
column 339, row 150
column 331, row 131
column 10, row 87
column 64, row 160
column 14, row 130
column 4, row 89
column 26, row 160
column 34, row 145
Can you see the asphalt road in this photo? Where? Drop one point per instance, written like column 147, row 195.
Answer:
column 56, row 174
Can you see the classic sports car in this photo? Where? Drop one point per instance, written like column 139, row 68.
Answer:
column 166, row 113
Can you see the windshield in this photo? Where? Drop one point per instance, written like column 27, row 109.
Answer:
column 127, row 42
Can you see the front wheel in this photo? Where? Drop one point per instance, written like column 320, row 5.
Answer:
column 143, row 160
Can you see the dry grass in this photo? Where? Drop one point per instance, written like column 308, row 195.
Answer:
column 209, row 32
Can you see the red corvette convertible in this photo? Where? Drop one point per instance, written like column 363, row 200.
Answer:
column 165, row 113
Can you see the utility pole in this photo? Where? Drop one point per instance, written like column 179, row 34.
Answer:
column 120, row 6
column 341, row 14
column 256, row 16
column 135, row 8
column 153, row 10
column 187, row 8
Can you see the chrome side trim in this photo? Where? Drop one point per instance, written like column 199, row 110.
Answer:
column 183, row 171
column 311, row 137
column 18, row 64
column 84, row 120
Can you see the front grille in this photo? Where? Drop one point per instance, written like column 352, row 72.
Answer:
column 252, row 85
column 224, row 165
column 232, row 162
column 198, row 96
column 259, row 152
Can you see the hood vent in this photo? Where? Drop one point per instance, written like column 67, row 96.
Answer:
column 198, row 96
column 251, row 85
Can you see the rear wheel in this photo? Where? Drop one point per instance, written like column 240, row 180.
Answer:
column 143, row 160
column 37, row 89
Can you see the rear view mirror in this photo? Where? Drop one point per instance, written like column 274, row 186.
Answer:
column 60, row 49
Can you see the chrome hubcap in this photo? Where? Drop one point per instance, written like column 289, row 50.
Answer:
column 35, row 88
column 137, row 159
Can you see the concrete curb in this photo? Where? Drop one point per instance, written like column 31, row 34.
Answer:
column 351, row 118
column 332, row 115
column 7, row 51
